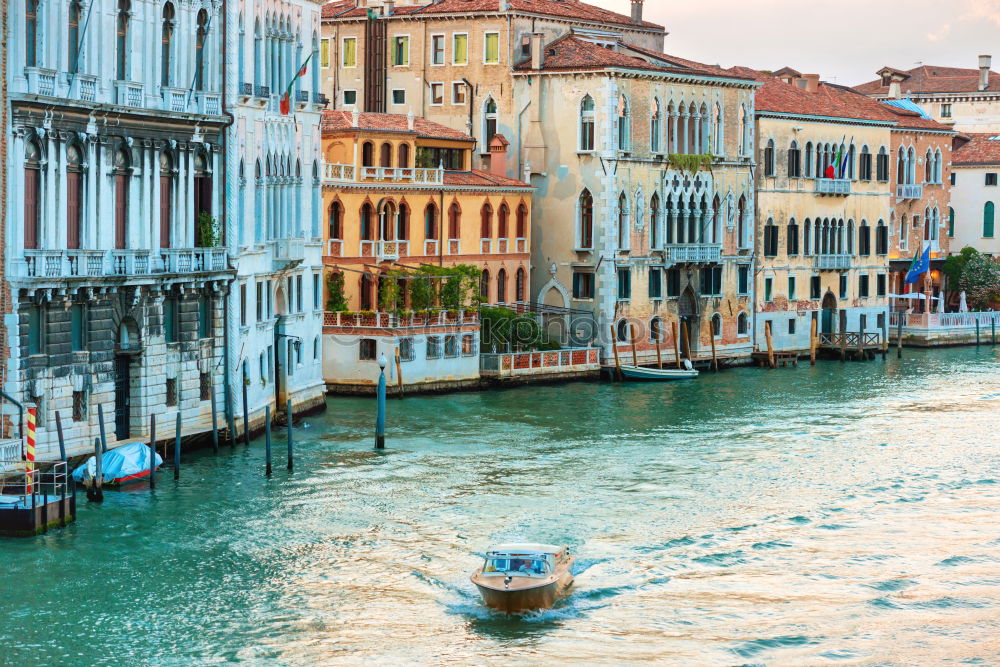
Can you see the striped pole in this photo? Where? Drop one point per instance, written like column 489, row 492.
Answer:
column 29, row 453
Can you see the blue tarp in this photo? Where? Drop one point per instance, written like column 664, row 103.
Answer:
column 124, row 461
column 908, row 105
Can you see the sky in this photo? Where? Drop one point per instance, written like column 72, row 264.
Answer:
column 844, row 41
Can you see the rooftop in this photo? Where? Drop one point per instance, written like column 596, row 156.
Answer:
column 932, row 79
column 338, row 121
column 981, row 149
column 565, row 9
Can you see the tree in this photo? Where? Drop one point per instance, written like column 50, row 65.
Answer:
column 336, row 302
column 955, row 265
column 981, row 281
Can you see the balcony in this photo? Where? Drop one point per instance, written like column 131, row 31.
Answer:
column 288, row 251
column 61, row 264
column 246, row 90
column 262, row 92
column 910, row 191
column 83, row 87
column 335, row 248
column 209, row 104
column 833, row 262
column 348, row 173
column 40, row 81
column 321, row 99
column 385, row 251
column 694, row 253
column 431, row 247
column 339, row 173
column 128, row 93
column 174, row 99
column 833, row 186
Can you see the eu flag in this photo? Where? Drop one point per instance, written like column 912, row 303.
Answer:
column 920, row 265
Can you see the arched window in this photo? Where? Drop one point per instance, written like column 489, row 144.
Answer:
column 385, row 157
column 807, row 238
column 624, row 124
column 74, row 195
column 73, row 32
column 655, row 125
column 850, row 237
column 794, row 160
column 741, row 231
column 32, row 193
column 502, row 286
column 770, row 239
column 403, row 222
column 929, row 167
column 489, row 120
column 30, row 33
column 882, row 166
column 881, row 239
column 519, row 280
column 454, row 221
column 792, row 242
column 403, row 156
column 484, row 286
column 937, row 166
column 430, row 222
column 655, row 239
column 199, row 50
column 586, row 207
column 121, row 176
column 258, row 64
column 166, row 198
column 522, row 221
column 366, row 285
column 769, row 158
column 988, row 220
column 951, row 222
column 656, row 330
column 743, row 130
column 368, row 154
column 622, row 329
column 502, row 217
column 166, row 45
column 335, row 220
column 911, row 166
column 809, row 160
column 623, row 226
column 720, row 148
column 865, row 168
column 743, row 325
column 717, row 325
column 121, row 43
column 486, row 221
column 367, row 228
column 241, row 52
column 387, row 222
column 587, row 124
column 864, row 239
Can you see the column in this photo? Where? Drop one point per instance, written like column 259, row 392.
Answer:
column 96, row 173
column 15, row 187
column 154, row 202
column 685, row 223
column 710, row 224
column 55, row 220
column 697, row 132
column 138, row 187
column 684, row 141
column 672, row 134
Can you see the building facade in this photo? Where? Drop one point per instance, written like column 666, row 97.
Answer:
column 114, row 249
column 976, row 195
column 823, row 210
column 400, row 194
column 274, row 159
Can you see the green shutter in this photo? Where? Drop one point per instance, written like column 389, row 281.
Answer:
column 988, row 220
column 951, row 222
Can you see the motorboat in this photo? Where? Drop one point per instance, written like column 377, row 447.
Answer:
column 660, row 374
column 524, row 577
column 128, row 463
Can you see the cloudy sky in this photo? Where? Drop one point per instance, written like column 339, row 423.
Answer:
column 842, row 40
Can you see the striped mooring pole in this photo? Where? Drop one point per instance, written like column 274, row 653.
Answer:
column 29, row 453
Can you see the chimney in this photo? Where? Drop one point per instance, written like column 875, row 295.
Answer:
column 537, row 57
column 636, row 11
column 356, row 118
column 498, row 155
column 895, row 91
column 985, row 62
column 410, row 121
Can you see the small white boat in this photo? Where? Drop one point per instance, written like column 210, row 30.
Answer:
column 659, row 374
column 524, row 577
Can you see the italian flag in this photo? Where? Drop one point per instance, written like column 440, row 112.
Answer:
column 285, row 105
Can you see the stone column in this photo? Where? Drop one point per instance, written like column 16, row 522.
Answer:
column 15, row 185
column 56, row 218
column 186, row 231
column 96, row 174
column 710, row 222
column 684, row 123
column 154, row 203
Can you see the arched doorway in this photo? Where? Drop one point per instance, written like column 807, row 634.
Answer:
column 829, row 308
column 687, row 313
column 126, row 347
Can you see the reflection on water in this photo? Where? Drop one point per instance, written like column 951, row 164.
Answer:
column 843, row 513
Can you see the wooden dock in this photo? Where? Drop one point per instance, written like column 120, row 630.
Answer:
column 763, row 359
column 856, row 346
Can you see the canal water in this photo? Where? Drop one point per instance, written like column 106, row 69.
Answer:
column 847, row 513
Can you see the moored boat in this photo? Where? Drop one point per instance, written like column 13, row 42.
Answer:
column 524, row 577
column 658, row 374
column 121, row 465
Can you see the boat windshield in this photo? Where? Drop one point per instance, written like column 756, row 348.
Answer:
column 525, row 566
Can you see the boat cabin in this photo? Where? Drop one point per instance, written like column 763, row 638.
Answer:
column 524, row 560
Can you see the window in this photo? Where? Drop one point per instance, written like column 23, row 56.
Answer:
column 451, row 346
column 656, row 330
column 73, row 32
column 815, row 288
column 951, row 222
column 519, row 285
column 945, row 110
column 204, row 317
column 988, row 220
column 30, row 33
column 437, row 94
column 458, row 89
column 865, row 165
column 743, row 280
column 794, row 161
column 433, row 347
column 454, row 221
column 205, row 386
column 401, row 51
column 624, row 284
column 743, row 325
column 430, row 222
column 624, row 124
column 521, row 225
column 711, row 281
column 399, row 96
column 324, row 53
column 243, row 304
column 367, row 349
column 32, row 196
column 491, row 48
column 587, row 124
column 406, row 351
column 768, row 283
column 863, row 286
column 770, row 239
column 74, row 194
column 881, row 239
column 350, row 98
column 792, row 242
column 199, row 50
column 583, row 285
column 335, row 220
column 260, row 301
column 437, row 49
column 880, row 284
column 716, row 325
column 954, row 178
column 385, row 155
column 769, row 158
column 468, row 345
column 843, row 286
column 882, row 165
column 864, row 240
column 79, row 406
column 171, row 392
column 122, row 46
column 502, row 286
column 170, row 317
column 791, row 289
column 298, row 293
column 791, row 326
column 349, row 52
column 459, row 49
column 991, row 178
column 655, row 284
column 655, row 126
column 403, row 160
column 489, row 120
column 486, row 221
column 623, row 331
column 316, row 291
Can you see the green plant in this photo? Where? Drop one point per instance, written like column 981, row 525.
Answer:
column 981, row 280
column 502, row 326
column 209, row 232
column 689, row 163
column 955, row 265
column 390, row 293
column 336, row 301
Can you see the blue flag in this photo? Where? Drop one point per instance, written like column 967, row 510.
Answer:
column 920, row 265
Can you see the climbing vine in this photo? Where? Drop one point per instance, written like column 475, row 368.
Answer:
column 336, row 301
column 689, row 163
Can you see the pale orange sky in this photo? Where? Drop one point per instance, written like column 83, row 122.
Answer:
column 842, row 40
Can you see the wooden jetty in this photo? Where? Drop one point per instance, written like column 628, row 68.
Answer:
column 32, row 501
column 855, row 345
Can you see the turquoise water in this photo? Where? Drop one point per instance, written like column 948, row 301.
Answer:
column 846, row 513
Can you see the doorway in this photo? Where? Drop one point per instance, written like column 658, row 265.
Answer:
column 687, row 312
column 829, row 308
column 123, row 408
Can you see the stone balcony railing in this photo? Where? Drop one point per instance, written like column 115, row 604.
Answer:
column 385, row 251
column 349, row 173
column 289, row 250
column 58, row 264
column 382, row 320
column 833, row 186
column 83, row 87
column 910, row 191
column 128, row 93
column 41, row 81
column 832, row 262
column 693, row 253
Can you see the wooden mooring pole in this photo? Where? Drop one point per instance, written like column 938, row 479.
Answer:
column 977, row 332
column 267, row 440
column 993, row 326
column 246, row 416
column 288, row 412
column 812, row 343
column 152, row 451
column 99, row 468
column 399, row 375
column 380, row 407
column 659, row 358
column 677, row 349
column 861, row 344
column 177, row 447
column 899, row 335
column 715, row 360
column 614, row 348
column 885, row 339
column 62, row 441
column 100, row 419
column 686, row 338
column 770, row 346
column 635, row 357
column 231, row 420
column 215, row 423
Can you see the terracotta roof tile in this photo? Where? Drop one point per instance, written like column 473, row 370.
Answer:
column 982, row 149
column 333, row 121
column 933, row 79
column 568, row 9
column 483, row 178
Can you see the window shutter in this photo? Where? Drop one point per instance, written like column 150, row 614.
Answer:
column 73, row 210
column 164, row 211
column 121, row 206
column 31, row 208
